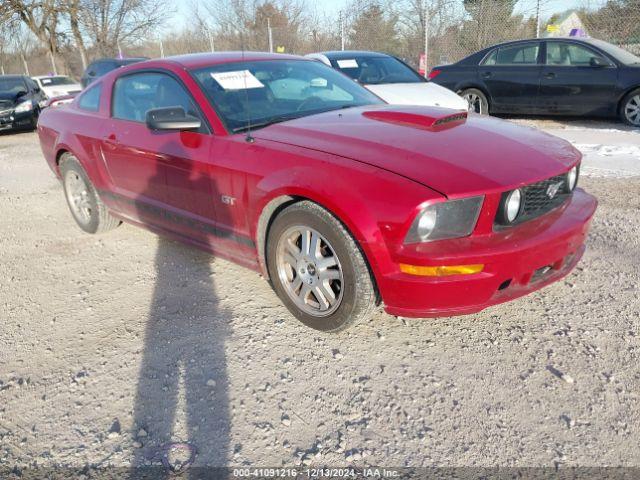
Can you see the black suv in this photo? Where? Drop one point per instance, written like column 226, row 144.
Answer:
column 98, row 68
column 20, row 100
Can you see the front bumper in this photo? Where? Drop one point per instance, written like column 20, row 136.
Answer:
column 10, row 121
column 517, row 261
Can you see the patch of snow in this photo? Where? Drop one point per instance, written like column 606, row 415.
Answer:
column 608, row 150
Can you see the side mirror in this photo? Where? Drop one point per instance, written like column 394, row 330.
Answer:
column 598, row 62
column 21, row 93
column 171, row 118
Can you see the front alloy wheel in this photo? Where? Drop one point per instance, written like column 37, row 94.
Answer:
column 317, row 269
column 310, row 271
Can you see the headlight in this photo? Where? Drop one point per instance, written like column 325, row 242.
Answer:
column 24, row 107
column 451, row 219
column 510, row 207
column 572, row 179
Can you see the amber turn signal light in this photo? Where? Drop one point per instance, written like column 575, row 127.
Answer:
column 440, row 271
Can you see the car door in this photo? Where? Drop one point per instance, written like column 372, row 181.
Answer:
column 162, row 176
column 511, row 76
column 577, row 79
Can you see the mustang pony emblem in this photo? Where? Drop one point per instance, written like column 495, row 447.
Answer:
column 552, row 190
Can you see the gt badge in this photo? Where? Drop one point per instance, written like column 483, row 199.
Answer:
column 227, row 200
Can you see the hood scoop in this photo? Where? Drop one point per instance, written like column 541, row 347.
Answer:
column 436, row 119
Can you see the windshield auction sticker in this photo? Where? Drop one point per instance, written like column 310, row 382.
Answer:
column 350, row 63
column 238, row 80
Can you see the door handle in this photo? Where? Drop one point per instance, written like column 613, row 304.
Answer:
column 486, row 74
column 550, row 75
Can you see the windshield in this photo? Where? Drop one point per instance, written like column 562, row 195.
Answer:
column 270, row 91
column 618, row 53
column 11, row 86
column 56, row 81
column 376, row 70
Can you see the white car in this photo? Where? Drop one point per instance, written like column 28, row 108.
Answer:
column 390, row 79
column 57, row 85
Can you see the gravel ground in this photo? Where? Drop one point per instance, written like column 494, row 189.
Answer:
column 113, row 345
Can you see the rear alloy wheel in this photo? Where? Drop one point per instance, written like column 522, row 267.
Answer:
column 87, row 209
column 477, row 101
column 630, row 109
column 317, row 269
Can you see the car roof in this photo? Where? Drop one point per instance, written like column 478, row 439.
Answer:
column 198, row 60
column 12, row 76
column 590, row 41
column 344, row 54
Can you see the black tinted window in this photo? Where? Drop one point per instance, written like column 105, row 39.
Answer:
column 562, row 53
column 12, row 85
column 526, row 54
column 102, row 68
column 134, row 95
column 90, row 100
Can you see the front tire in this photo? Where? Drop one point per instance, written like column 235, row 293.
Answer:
column 318, row 270
column 477, row 100
column 630, row 108
column 87, row 209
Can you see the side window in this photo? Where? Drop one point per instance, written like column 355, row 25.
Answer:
column 491, row 58
column 90, row 100
column 526, row 54
column 560, row 53
column 134, row 95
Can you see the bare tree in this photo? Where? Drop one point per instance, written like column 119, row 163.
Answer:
column 41, row 17
column 109, row 23
column 73, row 10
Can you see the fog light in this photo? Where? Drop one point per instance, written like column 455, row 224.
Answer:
column 441, row 271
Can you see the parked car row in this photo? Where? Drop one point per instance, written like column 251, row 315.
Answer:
column 552, row 76
column 22, row 98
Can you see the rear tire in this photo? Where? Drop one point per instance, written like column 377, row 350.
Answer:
column 630, row 108
column 87, row 209
column 477, row 100
column 318, row 270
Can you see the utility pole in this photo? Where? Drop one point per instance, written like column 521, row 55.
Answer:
column 341, row 31
column 161, row 47
column 211, row 44
column 426, row 40
column 538, row 19
column 270, row 35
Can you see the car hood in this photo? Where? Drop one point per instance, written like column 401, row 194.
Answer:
column 7, row 101
column 423, row 93
column 60, row 90
column 474, row 155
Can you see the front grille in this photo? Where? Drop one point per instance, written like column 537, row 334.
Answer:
column 538, row 199
column 542, row 197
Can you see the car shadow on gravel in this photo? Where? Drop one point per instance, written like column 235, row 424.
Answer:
column 182, row 401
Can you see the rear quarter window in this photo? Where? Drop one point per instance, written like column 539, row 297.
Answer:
column 90, row 100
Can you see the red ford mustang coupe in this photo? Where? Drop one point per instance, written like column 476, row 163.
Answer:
column 288, row 167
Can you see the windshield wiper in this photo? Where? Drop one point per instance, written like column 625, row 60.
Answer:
column 284, row 118
column 266, row 123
